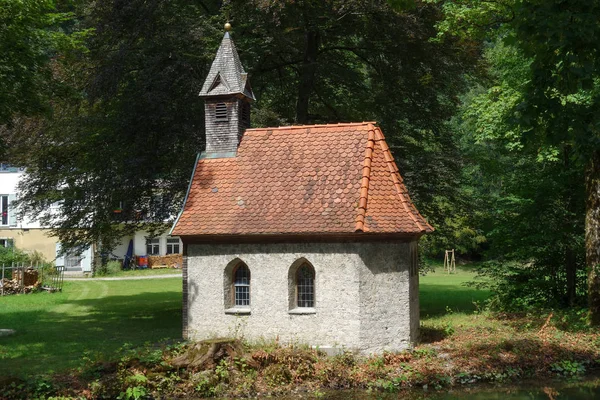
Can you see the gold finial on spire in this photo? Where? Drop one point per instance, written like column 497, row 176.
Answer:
column 227, row 26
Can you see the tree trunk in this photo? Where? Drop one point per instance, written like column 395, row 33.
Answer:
column 570, row 256
column 308, row 71
column 592, row 236
column 97, row 260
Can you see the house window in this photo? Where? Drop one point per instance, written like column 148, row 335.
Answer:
column 73, row 260
column 305, row 286
column 5, row 242
column 241, row 286
column 221, row 112
column 3, row 209
column 173, row 246
column 153, row 246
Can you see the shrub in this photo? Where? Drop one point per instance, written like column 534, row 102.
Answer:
column 568, row 368
column 520, row 286
column 12, row 255
column 111, row 268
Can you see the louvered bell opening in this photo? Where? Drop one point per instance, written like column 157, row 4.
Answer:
column 246, row 115
column 221, row 112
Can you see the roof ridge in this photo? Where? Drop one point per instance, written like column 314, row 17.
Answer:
column 397, row 179
column 364, row 182
column 287, row 127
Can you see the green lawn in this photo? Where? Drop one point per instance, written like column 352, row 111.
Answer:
column 89, row 319
column 142, row 272
column 441, row 293
column 94, row 319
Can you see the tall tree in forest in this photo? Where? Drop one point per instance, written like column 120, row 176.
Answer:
column 121, row 151
column 138, row 123
column 32, row 34
column 559, row 105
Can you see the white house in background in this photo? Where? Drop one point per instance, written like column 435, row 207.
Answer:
column 29, row 235
column 145, row 245
column 25, row 234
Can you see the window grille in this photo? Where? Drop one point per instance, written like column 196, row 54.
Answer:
column 153, row 246
column 173, row 246
column 241, row 285
column 305, row 286
column 221, row 112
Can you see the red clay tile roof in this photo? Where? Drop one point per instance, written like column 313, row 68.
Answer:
column 301, row 180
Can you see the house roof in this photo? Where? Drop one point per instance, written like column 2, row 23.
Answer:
column 227, row 76
column 318, row 179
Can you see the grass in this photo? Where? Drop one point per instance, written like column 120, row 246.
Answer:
column 89, row 319
column 94, row 319
column 441, row 293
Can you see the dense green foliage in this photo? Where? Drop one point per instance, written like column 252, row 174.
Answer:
column 30, row 39
column 490, row 108
column 12, row 256
column 538, row 117
column 137, row 124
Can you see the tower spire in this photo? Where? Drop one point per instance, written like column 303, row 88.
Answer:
column 227, row 75
column 227, row 96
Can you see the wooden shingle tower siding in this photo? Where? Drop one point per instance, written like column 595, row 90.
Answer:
column 324, row 200
column 227, row 96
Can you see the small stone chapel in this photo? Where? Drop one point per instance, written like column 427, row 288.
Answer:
column 304, row 234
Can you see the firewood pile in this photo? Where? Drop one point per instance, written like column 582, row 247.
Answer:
column 168, row 261
column 22, row 281
column 29, row 276
column 13, row 286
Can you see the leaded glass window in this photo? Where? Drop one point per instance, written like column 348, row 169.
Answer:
column 305, row 286
column 241, row 286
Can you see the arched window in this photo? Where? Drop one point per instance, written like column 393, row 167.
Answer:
column 305, row 286
column 221, row 112
column 241, row 286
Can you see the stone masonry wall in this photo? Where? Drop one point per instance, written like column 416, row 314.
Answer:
column 385, row 297
column 362, row 294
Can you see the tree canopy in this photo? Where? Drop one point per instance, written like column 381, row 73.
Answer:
column 137, row 123
column 490, row 108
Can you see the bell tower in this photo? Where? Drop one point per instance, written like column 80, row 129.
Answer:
column 227, row 96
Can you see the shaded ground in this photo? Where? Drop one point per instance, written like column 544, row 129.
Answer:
column 88, row 320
